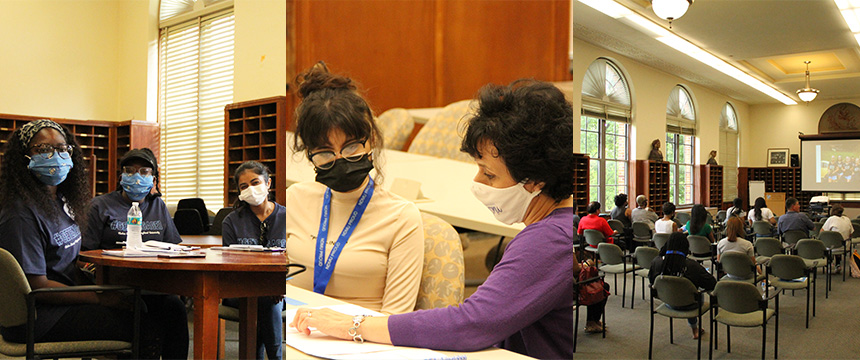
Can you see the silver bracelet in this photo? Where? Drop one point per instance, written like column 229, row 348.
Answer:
column 353, row 331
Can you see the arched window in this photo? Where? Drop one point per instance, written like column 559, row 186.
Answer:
column 604, row 130
column 729, row 151
column 680, row 145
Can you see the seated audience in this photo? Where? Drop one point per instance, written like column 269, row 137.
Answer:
column 841, row 224
column 667, row 224
column 761, row 213
column 643, row 212
column 520, row 139
column 673, row 261
column 736, row 210
column 44, row 193
column 794, row 219
column 735, row 241
column 698, row 224
column 621, row 212
column 593, row 221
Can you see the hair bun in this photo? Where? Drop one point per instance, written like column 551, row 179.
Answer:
column 318, row 78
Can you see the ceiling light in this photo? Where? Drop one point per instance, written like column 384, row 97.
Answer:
column 670, row 9
column 807, row 94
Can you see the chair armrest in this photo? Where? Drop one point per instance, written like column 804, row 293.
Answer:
column 81, row 288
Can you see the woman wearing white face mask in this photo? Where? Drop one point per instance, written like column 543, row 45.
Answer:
column 521, row 140
column 258, row 221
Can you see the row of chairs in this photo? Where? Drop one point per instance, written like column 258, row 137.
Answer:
column 192, row 218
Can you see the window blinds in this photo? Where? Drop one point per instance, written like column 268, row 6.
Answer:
column 196, row 82
column 680, row 115
column 604, row 92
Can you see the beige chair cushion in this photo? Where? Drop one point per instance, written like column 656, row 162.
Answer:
column 751, row 319
column 790, row 285
column 48, row 348
column 684, row 314
column 396, row 125
column 443, row 277
column 441, row 135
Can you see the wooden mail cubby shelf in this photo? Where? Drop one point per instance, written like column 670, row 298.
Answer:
column 781, row 180
column 102, row 143
column 580, row 183
column 256, row 130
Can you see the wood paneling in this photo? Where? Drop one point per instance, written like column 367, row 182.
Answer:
column 386, row 45
column 426, row 53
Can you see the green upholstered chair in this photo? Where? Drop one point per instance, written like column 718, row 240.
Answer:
column 676, row 292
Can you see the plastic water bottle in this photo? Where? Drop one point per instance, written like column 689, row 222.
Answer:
column 135, row 219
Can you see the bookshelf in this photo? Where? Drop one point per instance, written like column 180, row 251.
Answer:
column 652, row 180
column 256, row 130
column 98, row 142
column 711, row 185
column 782, row 180
column 580, row 183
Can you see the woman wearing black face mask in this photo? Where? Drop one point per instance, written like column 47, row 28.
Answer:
column 345, row 218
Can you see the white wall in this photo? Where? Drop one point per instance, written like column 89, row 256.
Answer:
column 777, row 125
column 98, row 59
column 60, row 58
column 650, row 90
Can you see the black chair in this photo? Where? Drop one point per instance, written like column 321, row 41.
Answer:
column 188, row 222
column 200, row 206
column 18, row 307
column 215, row 229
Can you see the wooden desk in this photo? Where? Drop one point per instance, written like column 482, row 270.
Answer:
column 207, row 280
column 446, row 183
column 313, row 299
column 203, row 241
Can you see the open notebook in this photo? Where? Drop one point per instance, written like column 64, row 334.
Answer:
column 324, row 346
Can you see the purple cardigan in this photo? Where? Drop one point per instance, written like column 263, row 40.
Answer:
column 526, row 304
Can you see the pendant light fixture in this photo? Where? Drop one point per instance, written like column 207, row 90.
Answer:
column 670, row 9
column 807, row 94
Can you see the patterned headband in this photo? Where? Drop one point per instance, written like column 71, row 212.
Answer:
column 29, row 130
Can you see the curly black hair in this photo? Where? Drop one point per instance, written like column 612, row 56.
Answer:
column 531, row 125
column 17, row 183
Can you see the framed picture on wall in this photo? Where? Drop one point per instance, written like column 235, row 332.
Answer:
column 777, row 157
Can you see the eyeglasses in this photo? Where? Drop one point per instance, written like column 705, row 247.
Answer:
column 130, row 170
column 47, row 150
column 264, row 233
column 351, row 152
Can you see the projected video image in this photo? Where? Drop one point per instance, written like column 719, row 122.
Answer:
column 838, row 164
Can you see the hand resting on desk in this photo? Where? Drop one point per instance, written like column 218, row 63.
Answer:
column 337, row 324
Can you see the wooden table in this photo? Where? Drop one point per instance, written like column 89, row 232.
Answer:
column 203, row 241
column 311, row 299
column 207, row 280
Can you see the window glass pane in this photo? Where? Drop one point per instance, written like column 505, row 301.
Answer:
column 593, row 149
column 583, row 122
column 583, row 142
column 610, row 147
column 621, row 148
column 592, row 194
column 610, row 127
column 611, row 191
column 610, row 173
column 672, row 184
column 592, row 124
column 622, row 174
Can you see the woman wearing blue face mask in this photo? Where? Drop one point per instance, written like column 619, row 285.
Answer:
column 44, row 193
column 106, row 225
column 521, row 139
column 361, row 243
column 258, row 221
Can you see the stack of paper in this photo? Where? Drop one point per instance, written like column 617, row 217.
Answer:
column 321, row 345
column 153, row 248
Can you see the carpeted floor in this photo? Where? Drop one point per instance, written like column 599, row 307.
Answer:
column 834, row 333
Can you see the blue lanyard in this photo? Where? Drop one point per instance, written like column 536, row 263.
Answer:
column 323, row 270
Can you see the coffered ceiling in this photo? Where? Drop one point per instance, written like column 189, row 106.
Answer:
column 769, row 39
